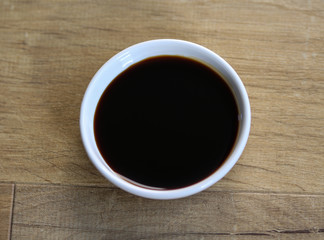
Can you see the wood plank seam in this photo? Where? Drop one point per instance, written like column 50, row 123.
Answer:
column 262, row 233
column 12, row 209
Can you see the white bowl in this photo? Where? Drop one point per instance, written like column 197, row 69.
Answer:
column 136, row 53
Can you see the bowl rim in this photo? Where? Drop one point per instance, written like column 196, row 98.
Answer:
column 152, row 193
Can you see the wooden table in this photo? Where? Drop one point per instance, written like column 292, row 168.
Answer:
column 49, row 51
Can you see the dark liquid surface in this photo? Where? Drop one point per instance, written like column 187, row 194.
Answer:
column 166, row 122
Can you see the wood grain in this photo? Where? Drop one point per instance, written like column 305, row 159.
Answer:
column 49, row 50
column 6, row 204
column 105, row 213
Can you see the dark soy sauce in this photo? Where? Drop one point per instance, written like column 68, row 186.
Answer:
column 166, row 122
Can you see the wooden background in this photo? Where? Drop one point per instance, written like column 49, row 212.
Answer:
column 49, row 51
